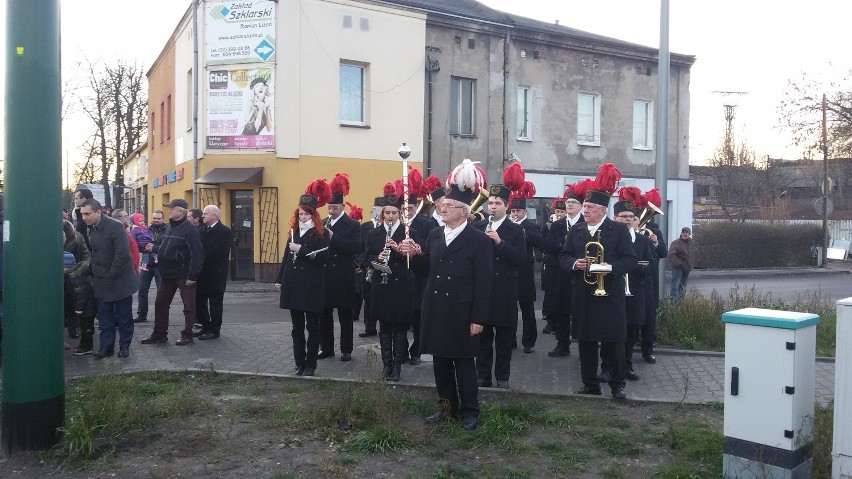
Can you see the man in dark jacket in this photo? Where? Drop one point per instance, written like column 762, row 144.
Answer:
column 366, row 269
column 345, row 245
column 114, row 279
column 652, row 292
column 210, row 291
column 500, row 327
column 80, row 196
column 599, row 319
column 150, row 269
column 458, row 260
column 422, row 225
column 526, row 273
column 180, row 257
column 680, row 259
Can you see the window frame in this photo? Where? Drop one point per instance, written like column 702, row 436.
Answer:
column 525, row 131
column 649, row 124
column 596, row 119
column 363, row 97
column 457, row 108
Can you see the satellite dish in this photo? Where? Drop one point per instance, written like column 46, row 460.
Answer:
column 818, row 205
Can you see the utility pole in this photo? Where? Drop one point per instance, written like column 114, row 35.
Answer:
column 825, row 185
column 33, row 404
column 662, row 132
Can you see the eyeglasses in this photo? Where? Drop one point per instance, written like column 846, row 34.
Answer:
column 447, row 207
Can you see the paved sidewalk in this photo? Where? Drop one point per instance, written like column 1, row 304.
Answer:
column 257, row 348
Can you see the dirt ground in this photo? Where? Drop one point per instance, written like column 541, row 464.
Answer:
column 209, row 425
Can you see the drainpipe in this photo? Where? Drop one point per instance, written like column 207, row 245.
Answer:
column 195, row 6
column 505, row 98
column 431, row 66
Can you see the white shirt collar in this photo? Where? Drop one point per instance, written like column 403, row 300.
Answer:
column 594, row 229
column 632, row 235
column 496, row 224
column 332, row 221
column 452, row 233
column 572, row 221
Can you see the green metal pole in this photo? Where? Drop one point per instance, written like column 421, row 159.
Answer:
column 33, row 404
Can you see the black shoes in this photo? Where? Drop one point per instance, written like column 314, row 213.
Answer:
column 560, row 351
column 208, row 335
column 325, row 354
column 308, row 372
column 436, row 418
column 618, row 393
column 183, row 341
column 345, row 357
column 299, row 370
column 650, row 358
column 155, row 340
column 81, row 351
column 528, row 349
column 367, row 334
column 549, row 328
column 605, row 376
column 589, row 390
column 414, row 361
column 140, row 318
column 483, row 383
column 631, row 375
column 123, row 351
column 469, row 423
column 502, row 384
column 103, row 354
column 198, row 334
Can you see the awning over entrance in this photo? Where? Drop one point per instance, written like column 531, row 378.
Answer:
column 252, row 176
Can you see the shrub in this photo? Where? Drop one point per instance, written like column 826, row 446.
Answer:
column 755, row 245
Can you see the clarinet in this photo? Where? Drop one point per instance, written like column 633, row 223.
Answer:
column 387, row 254
column 490, row 222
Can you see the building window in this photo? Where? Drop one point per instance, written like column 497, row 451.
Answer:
column 169, row 117
column 153, row 130
column 162, row 120
column 461, row 106
column 589, row 119
column 524, row 113
column 352, row 95
column 643, row 125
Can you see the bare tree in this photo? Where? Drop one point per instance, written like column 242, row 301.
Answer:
column 800, row 113
column 733, row 175
column 116, row 104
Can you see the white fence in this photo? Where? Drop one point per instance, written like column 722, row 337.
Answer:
column 837, row 229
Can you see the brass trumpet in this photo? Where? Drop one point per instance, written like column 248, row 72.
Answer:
column 646, row 216
column 596, row 258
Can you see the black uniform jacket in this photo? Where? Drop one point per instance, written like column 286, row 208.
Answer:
column 457, row 292
column 557, row 282
column 423, row 225
column 303, row 281
column 394, row 301
column 526, row 273
column 599, row 318
column 345, row 245
column 507, row 259
column 638, row 281
column 216, row 243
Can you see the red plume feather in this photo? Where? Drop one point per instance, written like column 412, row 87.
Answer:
column 398, row 188
column 581, row 188
column 321, row 191
column 340, row 184
column 526, row 191
column 430, row 184
column 631, row 194
column 415, row 181
column 355, row 212
column 553, row 203
column 513, row 176
column 608, row 178
column 389, row 189
column 653, row 196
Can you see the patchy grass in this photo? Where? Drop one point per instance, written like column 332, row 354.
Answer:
column 695, row 322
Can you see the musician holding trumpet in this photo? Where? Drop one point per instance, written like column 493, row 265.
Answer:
column 599, row 253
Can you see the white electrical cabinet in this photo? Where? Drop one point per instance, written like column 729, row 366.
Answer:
column 770, row 362
column 841, row 451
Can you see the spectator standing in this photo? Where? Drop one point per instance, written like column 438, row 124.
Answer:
column 80, row 196
column 80, row 282
column 122, row 216
column 216, row 244
column 680, row 259
column 113, row 279
column 180, row 257
column 149, row 268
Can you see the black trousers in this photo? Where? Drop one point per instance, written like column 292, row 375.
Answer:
column 632, row 337
column 495, row 346
column 455, row 380
column 344, row 317
column 414, row 350
column 208, row 311
column 613, row 353
column 369, row 323
column 305, row 352
column 529, row 333
column 563, row 328
column 649, row 329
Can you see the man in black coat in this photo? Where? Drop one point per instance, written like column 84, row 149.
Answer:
column 367, row 270
column 459, row 264
column 599, row 319
column 80, row 196
column 500, row 327
column 210, row 290
column 422, row 225
column 558, row 296
column 652, row 295
column 345, row 245
column 526, row 273
column 179, row 256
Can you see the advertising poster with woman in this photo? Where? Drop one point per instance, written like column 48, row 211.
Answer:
column 241, row 109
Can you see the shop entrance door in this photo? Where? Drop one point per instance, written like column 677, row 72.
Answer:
column 242, row 227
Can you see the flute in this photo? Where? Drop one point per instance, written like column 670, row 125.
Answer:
column 291, row 242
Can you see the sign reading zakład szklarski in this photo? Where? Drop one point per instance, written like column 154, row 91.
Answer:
column 240, row 32
column 240, row 108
